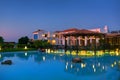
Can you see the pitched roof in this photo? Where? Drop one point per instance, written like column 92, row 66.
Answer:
column 71, row 29
column 38, row 31
column 82, row 32
column 85, row 31
column 57, row 31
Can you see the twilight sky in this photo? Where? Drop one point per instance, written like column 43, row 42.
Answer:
column 21, row 17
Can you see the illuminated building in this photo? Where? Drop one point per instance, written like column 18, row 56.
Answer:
column 78, row 37
column 58, row 37
column 40, row 35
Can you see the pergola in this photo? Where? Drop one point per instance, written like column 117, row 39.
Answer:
column 84, row 34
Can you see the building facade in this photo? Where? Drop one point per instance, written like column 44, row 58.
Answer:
column 80, row 37
column 84, row 37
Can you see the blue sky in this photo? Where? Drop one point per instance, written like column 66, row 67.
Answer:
column 21, row 17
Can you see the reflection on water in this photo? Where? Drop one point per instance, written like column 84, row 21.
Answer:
column 93, row 65
column 85, row 53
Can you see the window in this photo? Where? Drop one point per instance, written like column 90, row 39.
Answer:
column 35, row 36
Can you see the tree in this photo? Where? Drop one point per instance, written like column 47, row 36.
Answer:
column 41, row 44
column 1, row 40
column 23, row 40
column 37, row 43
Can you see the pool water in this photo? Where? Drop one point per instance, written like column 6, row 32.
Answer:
column 42, row 66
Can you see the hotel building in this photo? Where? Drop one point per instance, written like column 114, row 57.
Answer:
column 80, row 37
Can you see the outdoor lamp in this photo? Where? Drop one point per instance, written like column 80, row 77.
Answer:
column 25, row 47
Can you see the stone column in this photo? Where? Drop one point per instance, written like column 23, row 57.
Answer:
column 85, row 40
column 97, row 41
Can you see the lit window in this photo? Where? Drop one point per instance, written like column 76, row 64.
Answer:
column 53, row 41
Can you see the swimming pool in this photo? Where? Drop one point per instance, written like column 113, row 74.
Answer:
column 43, row 66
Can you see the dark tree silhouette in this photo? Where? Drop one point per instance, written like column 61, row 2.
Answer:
column 1, row 40
column 23, row 40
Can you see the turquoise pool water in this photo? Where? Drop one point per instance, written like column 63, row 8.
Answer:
column 43, row 66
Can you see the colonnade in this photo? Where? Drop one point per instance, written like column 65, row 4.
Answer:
column 81, row 40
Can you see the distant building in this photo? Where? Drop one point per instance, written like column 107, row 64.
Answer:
column 40, row 35
column 45, row 35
